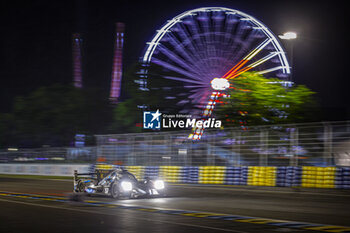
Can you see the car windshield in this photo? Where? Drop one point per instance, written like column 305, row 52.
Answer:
column 112, row 174
column 128, row 175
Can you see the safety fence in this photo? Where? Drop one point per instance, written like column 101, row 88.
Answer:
column 290, row 176
column 310, row 144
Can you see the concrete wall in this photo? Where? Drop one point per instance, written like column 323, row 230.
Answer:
column 43, row 169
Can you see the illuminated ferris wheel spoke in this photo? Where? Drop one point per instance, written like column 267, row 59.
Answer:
column 194, row 86
column 271, row 70
column 234, row 72
column 199, row 98
column 235, row 68
column 190, row 42
column 185, row 37
column 253, row 65
column 264, row 59
column 178, row 60
column 195, row 32
column 179, row 47
column 257, row 49
column 175, row 69
column 228, row 28
column 239, row 39
column 195, row 95
column 186, row 80
column 200, row 50
column 205, row 26
column 247, row 58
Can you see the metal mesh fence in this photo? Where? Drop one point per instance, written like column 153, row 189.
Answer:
column 315, row 144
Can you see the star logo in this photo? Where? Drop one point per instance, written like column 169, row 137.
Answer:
column 151, row 120
column 156, row 115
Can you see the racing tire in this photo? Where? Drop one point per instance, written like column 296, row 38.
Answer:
column 114, row 190
column 81, row 187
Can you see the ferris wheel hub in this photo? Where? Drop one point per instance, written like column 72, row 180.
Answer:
column 220, row 84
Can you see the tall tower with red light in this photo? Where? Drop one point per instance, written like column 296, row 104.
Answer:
column 77, row 61
column 117, row 63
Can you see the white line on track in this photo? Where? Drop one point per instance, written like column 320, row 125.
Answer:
column 110, row 214
column 261, row 190
column 235, row 188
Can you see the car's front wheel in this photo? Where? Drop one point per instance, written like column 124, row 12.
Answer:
column 162, row 193
column 115, row 190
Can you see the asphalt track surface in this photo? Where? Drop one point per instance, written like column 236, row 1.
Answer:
column 33, row 205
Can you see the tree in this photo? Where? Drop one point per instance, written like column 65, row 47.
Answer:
column 126, row 116
column 7, row 130
column 53, row 115
column 256, row 100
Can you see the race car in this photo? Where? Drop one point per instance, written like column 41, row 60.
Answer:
column 117, row 183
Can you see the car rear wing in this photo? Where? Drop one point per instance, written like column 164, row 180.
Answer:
column 77, row 175
column 99, row 174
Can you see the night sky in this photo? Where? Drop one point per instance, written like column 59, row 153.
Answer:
column 35, row 41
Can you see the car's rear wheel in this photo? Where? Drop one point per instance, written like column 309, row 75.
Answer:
column 81, row 187
column 115, row 190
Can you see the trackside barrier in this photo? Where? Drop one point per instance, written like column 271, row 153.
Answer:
column 261, row 176
column 318, row 177
column 308, row 177
column 211, row 175
column 290, row 176
column 44, row 169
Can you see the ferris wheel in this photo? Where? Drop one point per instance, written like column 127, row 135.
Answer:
column 200, row 50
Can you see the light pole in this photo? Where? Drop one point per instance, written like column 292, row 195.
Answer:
column 290, row 36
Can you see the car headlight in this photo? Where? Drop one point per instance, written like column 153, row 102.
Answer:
column 158, row 184
column 126, row 185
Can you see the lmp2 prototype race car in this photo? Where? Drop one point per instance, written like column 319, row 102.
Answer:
column 117, row 183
